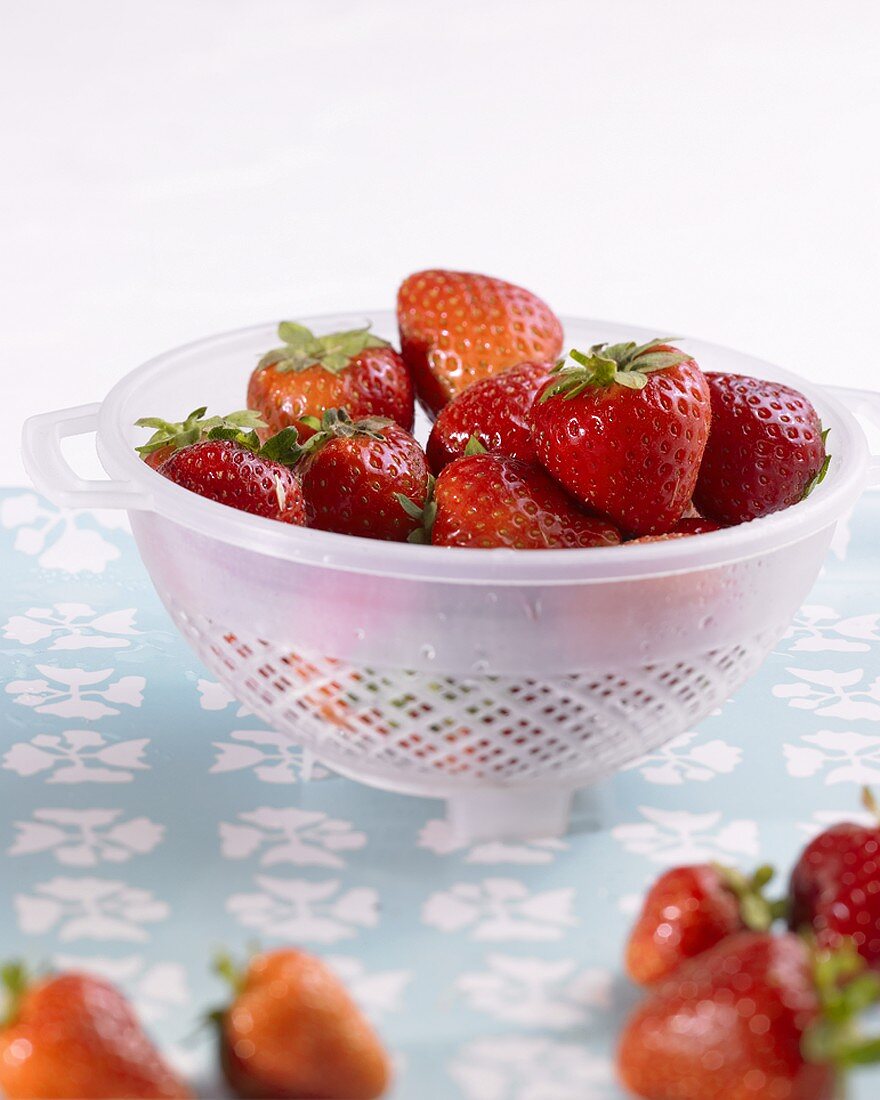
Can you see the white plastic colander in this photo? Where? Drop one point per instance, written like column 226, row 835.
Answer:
column 499, row 680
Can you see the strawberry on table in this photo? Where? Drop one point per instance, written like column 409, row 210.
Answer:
column 486, row 500
column 292, row 1031
column 170, row 436
column 495, row 410
column 766, row 450
column 232, row 467
column 757, row 1017
column 353, row 473
column 690, row 909
column 835, row 886
column 623, row 429
column 457, row 328
column 75, row 1037
column 309, row 374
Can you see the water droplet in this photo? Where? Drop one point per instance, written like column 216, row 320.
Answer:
column 491, row 597
column 360, row 633
column 428, row 652
column 533, row 610
column 481, row 667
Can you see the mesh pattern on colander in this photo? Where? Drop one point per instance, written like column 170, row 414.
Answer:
column 421, row 732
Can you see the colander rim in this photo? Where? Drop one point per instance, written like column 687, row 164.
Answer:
column 846, row 480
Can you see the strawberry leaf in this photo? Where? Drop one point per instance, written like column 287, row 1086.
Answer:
column 474, row 447
column 283, row 447
column 194, row 428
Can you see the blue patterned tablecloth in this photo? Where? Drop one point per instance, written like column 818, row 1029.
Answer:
column 146, row 819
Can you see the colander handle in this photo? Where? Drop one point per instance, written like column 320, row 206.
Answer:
column 51, row 473
column 864, row 403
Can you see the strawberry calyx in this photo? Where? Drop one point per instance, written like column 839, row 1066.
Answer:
column 870, row 804
column 757, row 911
column 819, row 476
column 424, row 515
column 627, row 364
column 474, row 447
column 194, row 428
column 337, row 424
column 846, row 989
column 302, row 349
column 15, row 980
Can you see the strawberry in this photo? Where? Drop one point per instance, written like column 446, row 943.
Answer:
column 756, row 1017
column 354, row 472
column 293, row 1031
column 690, row 909
column 310, row 374
column 692, row 525
column 495, row 411
column 624, row 431
column 457, row 328
column 169, row 436
column 486, row 500
column 75, row 1037
column 232, row 468
column 766, row 450
column 835, row 886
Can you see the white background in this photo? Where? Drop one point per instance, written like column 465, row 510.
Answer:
column 173, row 167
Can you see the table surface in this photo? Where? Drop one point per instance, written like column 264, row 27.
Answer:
column 182, row 167
column 146, row 820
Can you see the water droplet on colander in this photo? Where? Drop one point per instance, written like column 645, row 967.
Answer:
column 533, row 610
column 491, row 597
column 706, row 622
column 360, row 633
column 428, row 652
column 481, row 667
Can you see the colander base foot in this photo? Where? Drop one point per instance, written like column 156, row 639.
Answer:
column 508, row 814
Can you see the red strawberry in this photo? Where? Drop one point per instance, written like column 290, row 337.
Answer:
column 169, row 436
column 624, row 432
column 766, row 450
column 690, row 909
column 456, row 328
column 311, row 374
column 835, row 887
column 354, row 473
column 293, row 1031
column 487, row 500
column 693, row 525
column 495, row 410
column 756, row 1017
column 238, row 472
column 75, row 1037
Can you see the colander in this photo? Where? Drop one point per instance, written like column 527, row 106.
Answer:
column 499, row 680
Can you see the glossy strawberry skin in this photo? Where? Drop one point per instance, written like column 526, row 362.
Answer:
column 75, row 1037
column 350, row 484
column 229, row 473
column 729, row 1023
column 375, row 383
column 294, row 1032
column 683, row 529
column 487, row 500
column 764, row 449
column 686, row 911
column 632, row 455
column 496, row 410
column 835, row 889
column 457, row 328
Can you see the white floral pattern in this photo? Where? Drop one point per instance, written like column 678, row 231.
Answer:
column 72, row 626
column 678, row 836
column 819, row 629
column 536, row 992
column 681, row 761
column 89, row 909
column 379, row 993
column 302, row 910
column 845, row 756
column 849, row 695
column 520, row 1067
column 439, row 837
column 501, row 909
column 58, row 538
column 272, row 757
column 302, row 837
column 77, row 756
column 85, row 838
column 79, row 694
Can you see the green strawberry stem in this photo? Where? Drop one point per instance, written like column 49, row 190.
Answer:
column 846, row 989
column 758, row 913
column 194, row 428
column 337, row 424
column 604, row 365
column 302, row 349
column 14, row 980
column 869, row 802
column 425, row 515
